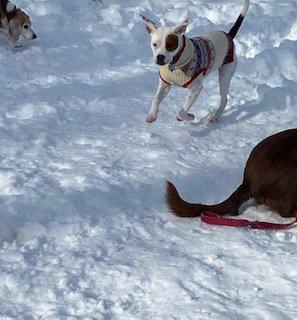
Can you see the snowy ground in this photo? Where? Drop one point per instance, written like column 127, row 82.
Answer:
column 85, row 233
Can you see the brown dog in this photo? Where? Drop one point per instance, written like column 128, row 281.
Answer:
column 270, row 177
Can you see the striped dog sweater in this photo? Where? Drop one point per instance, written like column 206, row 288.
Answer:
column 195, row 57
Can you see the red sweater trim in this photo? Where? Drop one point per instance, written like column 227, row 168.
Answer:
column 163, row 79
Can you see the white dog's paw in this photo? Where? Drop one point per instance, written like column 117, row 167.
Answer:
column 183, row 116
column 17, row 45
column 151, row 118
column 214, row 118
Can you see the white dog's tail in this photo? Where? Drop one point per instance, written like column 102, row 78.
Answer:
column 232, row 33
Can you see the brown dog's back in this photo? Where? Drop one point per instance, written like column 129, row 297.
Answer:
column 271, row 172
column 270, row 177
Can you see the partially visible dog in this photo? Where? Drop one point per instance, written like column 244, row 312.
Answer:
column 3, row 14
column 184, row 62
column 270, row 177
column 18, row 23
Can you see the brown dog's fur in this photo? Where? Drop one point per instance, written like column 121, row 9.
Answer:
column 3, row 13
column 270, row 177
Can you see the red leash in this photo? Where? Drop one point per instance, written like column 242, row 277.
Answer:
column 215, row 219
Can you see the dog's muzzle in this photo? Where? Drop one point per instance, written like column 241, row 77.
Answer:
column 161, row 60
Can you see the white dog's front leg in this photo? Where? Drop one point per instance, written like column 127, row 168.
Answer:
column 162, row 92
column 184, row 114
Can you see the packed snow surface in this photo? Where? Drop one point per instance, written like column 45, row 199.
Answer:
column 85, row 232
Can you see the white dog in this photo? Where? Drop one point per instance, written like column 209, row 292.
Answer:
column 185, row 62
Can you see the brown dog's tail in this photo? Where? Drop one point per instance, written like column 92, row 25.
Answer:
column 184, row 209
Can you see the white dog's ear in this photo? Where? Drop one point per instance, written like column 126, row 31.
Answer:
column 182, row 27
column 150, row 25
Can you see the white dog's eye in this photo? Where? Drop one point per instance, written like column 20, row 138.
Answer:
column 155, row 45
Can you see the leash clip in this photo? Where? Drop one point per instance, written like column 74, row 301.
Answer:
column 171, row 67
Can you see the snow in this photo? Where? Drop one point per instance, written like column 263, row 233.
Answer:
column 85, row 232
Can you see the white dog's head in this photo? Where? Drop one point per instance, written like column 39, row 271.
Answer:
column 165, row 41
column 20, row 25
